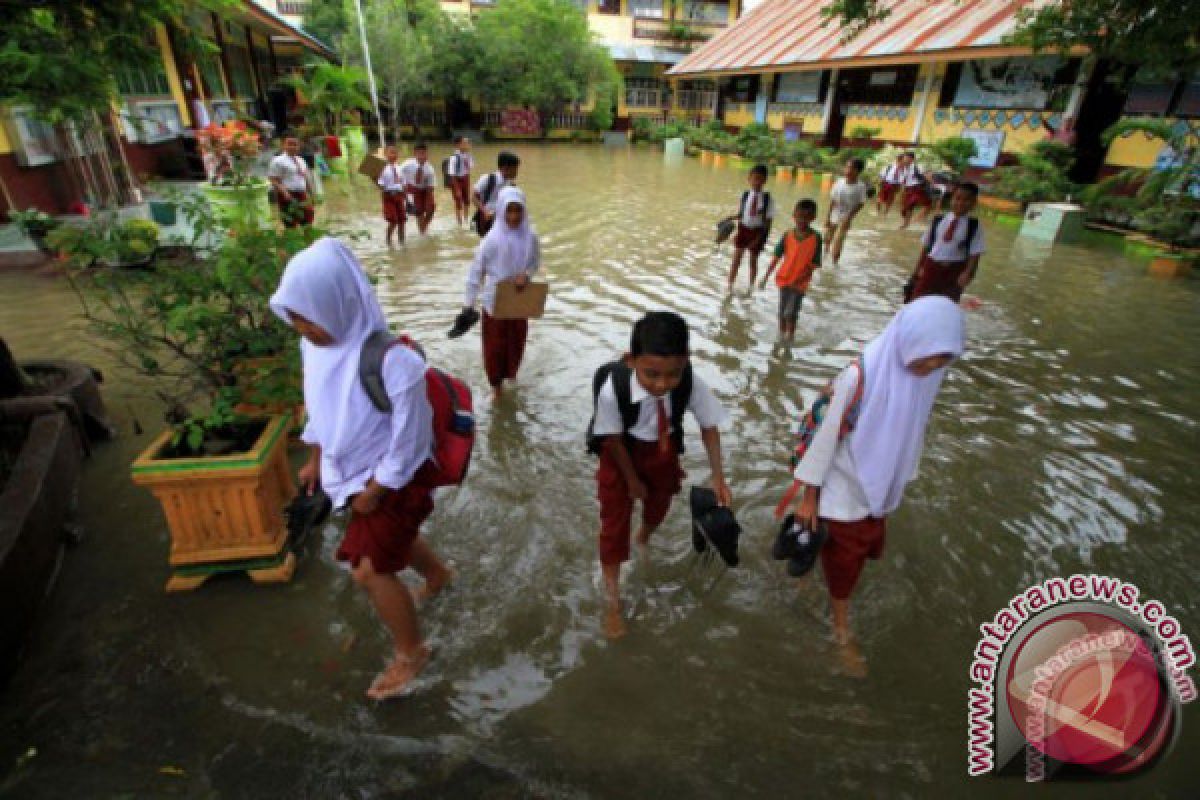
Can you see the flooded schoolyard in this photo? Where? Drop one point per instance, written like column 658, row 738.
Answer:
column 1065, row 440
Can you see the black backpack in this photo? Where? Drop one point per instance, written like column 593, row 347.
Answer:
column 622, row 378
column 972, row 230
column 489, row 187
column 446, row 170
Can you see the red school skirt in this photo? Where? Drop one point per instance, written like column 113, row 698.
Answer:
column 846, row 551
column 387, row 534
column 662, row 475
column 393, row 207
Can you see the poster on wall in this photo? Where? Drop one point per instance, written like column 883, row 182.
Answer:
column 33, row 140
column 798, row 87
column 987, row 146
column 520, row 121
column 792, row 128
column 1025, row 82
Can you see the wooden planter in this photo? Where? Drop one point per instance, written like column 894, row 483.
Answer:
column 706, row 156
column 803, row 175
column 1170, row 266
column 1001, row 204
column 783, row 174
column 718, row 159
column 224, row 513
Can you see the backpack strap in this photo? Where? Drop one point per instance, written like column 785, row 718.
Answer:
column 972, row 231
column 681, row 398
column 622, row 381
column 742, row 203
column 489, row 188
column 370, row 366
column 933, row 228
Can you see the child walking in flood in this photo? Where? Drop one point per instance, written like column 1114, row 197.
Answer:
column 420, row 183
column 867, row 447
column 847, row 198
column 798, row 256
column 509, row 253
column 637, row 432
column 393, row 196
column 378, row 464
column 950, row 249
column 755, row 212
column 462, row 163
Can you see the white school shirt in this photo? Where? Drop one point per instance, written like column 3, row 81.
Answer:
column 829, row 463
column 893, row 173
column 703, row 404
column 461, row 164
column 291, row 171
column 952, row 250
column 396, row 445
column 391, row 179
column 418, row 176
column 481, row 185
column 845, row 199
column 766, row 211
column 912, row 176
column 484, row 275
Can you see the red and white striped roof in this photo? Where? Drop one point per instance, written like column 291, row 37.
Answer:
column 782, row 34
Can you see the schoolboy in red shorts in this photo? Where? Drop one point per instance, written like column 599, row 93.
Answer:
column 755, row 212
column 637, row 431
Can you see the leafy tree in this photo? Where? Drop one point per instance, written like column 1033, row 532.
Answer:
column 332, row 92
column 538, row 53
column 956, row 151
column 330, row 21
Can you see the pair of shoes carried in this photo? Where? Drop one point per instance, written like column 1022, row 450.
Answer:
column 305, row 512
column 798, row 545
column 714, row 525
column 465, row 320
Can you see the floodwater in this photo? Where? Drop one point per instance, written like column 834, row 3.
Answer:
column 1064, row 441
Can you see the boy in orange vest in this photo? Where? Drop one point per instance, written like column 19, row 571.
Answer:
column 797, row 255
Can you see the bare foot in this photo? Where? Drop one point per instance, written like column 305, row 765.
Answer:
column 614, row 623
column 431, row 587
column 397, row 677
column 497, row 393
column 852, row 661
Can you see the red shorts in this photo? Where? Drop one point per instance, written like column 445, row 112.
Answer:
column 460, row 187
column 847, row 549
column 939, row 277
column 887, row 192
column 663, row 477
column 386, row 535
column 423, row 201
column 915, row 196
column 393, row 207
column 752, row 239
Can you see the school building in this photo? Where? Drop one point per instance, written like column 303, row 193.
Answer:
column 930, row 70
column 160, row 106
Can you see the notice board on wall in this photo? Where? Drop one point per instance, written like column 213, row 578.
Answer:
column 988, row 144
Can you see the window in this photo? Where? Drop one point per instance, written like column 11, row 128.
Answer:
column 608, row 6
column 710, row 11
column 239, row 65
column 149, row 80
column 1024, row 82
column 799, row 87
column 647, row 9
column 643, row 92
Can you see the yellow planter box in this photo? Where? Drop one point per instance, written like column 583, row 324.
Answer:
column 803, row 175
column 224, row 508
column 719, row 159
column 1170, row 267
column 826, row 182
column 706, row 156
column 1001, row 204
column 783, row 174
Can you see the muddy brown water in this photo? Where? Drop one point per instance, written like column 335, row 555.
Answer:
column 1064, row 441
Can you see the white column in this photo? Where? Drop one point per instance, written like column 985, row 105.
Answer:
column 830, row 93
column 1079, row 89
column 929, row 80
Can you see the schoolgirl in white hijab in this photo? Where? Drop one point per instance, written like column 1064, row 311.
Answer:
column 509, row 252
column 377, row 462
column 853, row 483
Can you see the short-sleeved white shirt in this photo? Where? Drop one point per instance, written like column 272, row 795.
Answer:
column 757, row 217
column 461, row 164
column 703, row 405
column 845, row 198
column 418, row 176
column 291, row 171
column 391, row 179
column 952, row 250
column 489, row 202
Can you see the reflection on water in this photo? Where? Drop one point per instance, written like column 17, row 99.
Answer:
column 1065, row 440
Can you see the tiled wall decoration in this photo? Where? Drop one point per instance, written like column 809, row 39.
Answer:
column 877, row 112
column 997, row 118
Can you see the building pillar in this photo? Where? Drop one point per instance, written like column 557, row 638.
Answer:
column 930, row 80
column 763, row 98
column 830, row 96
column 1075, row 100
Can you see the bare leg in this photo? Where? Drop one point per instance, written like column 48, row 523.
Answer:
column 431, row 568
column 394, row 605
column 642, row 540
column 851, row 656
column 614, row 623
column 391, row 231
column 753, row 267
column 735, row 266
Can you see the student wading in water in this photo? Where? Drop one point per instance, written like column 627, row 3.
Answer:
column 377, row 463
column 853, row 479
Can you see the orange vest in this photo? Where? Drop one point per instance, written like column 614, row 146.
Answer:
column 798, row 254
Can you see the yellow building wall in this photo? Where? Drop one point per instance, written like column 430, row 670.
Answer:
column 5, row 144
column 173, row 80
column 739, row 115
column 1137, row 149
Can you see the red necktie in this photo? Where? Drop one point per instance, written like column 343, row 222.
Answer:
column 948, row 236
column 754, row 205
column 664, row 427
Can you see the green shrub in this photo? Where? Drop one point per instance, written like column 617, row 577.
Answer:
column 956, row 151
column 1040, row 174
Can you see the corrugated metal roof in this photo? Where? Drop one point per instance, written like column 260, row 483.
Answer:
column 644, row 53
column 790, row 33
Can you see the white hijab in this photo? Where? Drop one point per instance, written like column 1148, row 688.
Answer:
column 512, row 249
column 325, row 284
column 890, row 431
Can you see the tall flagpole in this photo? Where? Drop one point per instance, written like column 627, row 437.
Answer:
column 362, row 34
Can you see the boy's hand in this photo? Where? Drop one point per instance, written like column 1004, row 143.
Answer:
column 806, row 509
column 637, row 489
column 309, row 476
column 367, row 501
column 724, row 496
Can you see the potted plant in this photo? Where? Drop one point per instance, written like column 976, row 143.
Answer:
column 36, row 224
column 229, row 153
column 1163, row 201
column 221, row 474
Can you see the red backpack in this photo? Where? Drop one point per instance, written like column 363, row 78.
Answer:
column 449, row 397
column 811, row 420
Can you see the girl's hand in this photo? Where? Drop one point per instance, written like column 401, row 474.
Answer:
column 521, row 281
column 806, row 508
column 310, row 476
column 367, row 501
column 724, row 496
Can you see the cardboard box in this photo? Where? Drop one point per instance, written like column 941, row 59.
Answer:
column 528, row 303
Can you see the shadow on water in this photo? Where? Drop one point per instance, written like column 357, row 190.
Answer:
column 1065, row 440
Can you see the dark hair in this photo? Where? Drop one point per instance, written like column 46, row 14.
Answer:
column 462, row 138
column 420, row 146
column 969, row 187
column 759, row 169
column 910, row 154
column 859, row 164
column 659, row 333
column 806, row 204
column 507, row 159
